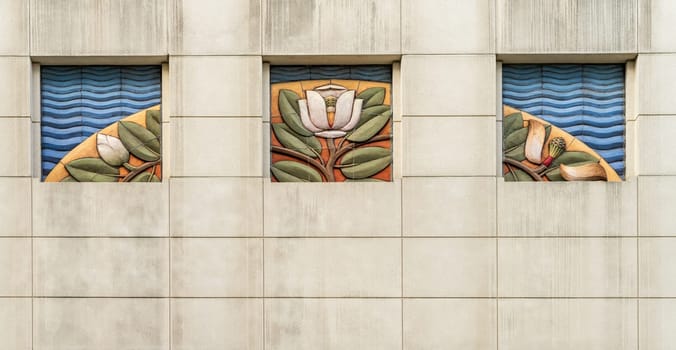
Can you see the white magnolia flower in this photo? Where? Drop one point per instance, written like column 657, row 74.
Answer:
column 330, row 111
column 111, row 150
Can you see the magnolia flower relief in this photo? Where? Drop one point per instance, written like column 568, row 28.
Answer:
column 331, row 132
column 111, row 150
column 534, row 150
column 330, row 111
column 134, row 155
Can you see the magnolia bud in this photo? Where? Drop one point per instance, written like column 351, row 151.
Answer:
column 111, row 150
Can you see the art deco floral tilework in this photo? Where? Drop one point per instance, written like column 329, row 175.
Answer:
column 563, row 122
column 331, row 123
column 101, row 123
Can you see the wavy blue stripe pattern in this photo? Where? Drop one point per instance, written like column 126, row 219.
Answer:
column 77, row 101
column 586, row 101
column 379, row 73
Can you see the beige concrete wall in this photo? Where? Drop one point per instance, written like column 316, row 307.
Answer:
column 447, row 256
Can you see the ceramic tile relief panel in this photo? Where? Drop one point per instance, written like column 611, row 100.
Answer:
column 101, row 123
column 563, row 122
column 331, row 123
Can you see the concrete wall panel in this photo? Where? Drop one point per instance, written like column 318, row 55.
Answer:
column 567, row 324
column 100, row 323
column 443, row 26
column 444, row 146
column 15, row 267
column 567, row 209
column 328, row 27
column 98, row 28
column 15, row 323
column 656, row 206
column 332, row 324
column 453, row 206
column 216, row 267
column 337, row 209
column 567, row 267
column 15, row 147
column 657, row 264
column 217, row 207
column 656, row 83
column 211, row 324
column 216, row 147
column 449, row 267
column 437, row 324
column 655, row 139
column 214, row 27
column 98, row 209
column 15, row 86
column 14, row 27
column 100, row 267
column 458, row 85
column 568, row 26
column 654, row 25
column 333, row 267
column 15, row 215
column 216, row 86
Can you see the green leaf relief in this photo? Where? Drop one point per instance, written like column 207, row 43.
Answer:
column 153, row 122
column 365, row 162
column 554, row 173
column 308, row 145
column 571, row 157
column 290, row 171
column 370, row 128
column 92, row 170
column 372, row 96
column 514, row 139
column 371, row 112
column 512, row 123
column 517, row 153
column 145, row 177
column 139, row 141
column 288, row 107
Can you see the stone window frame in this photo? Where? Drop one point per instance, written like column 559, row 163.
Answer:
column 36, row 106
column 397, row 120
column 630, row 100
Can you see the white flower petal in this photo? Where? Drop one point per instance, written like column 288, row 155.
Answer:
column 330, row 87
column 317, row 109
column 331, row 134
column 111, row 150
column 356, row 115
column 343, row 109
column 305, row 117
column 330, row 90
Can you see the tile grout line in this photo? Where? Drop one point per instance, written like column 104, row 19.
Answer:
column 32, row 270
column 170, row 323
column 264, row 169
column 33, row 151
column 401, row 256
column 342, row 237
column 170, row 242
column 339, row 297
column 497, row 273
column 638, row 262
column 399, row 102
column 498, row 151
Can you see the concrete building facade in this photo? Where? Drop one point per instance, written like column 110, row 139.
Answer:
column 446, row 256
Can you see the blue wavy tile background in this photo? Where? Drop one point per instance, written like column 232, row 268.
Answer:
column 587, row 101
column 78, row 101
column 380, row 73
